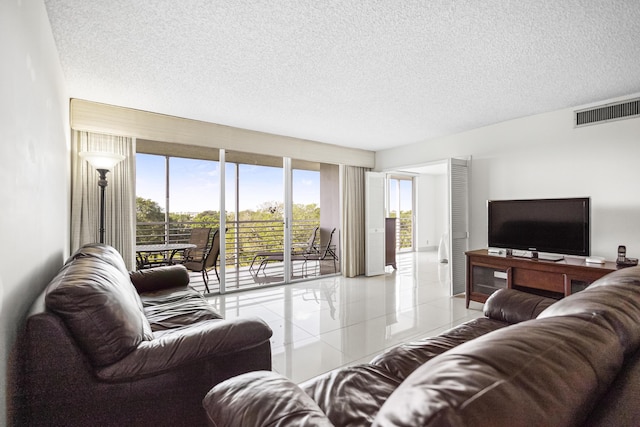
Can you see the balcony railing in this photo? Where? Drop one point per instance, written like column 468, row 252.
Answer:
column 404, row 234
column 243, row 238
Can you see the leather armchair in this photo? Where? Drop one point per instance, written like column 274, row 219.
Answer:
column 106, row 352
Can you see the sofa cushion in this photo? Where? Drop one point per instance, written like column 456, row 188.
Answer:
column 351, row 396
column 513, row 306
column 188, row 345
column 93, row 295
column 109, row 255
column 403, row 359
column 619, row 406
column 261, row 399
column 541, row 372
column 102, row 252
column 504, row 307
column 158, row 278
column 173, row 308
column 614, row 296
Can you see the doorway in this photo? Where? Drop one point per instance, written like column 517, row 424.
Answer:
column 441, row 213
column 400, row 205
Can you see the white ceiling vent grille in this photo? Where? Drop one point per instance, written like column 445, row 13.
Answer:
column 608, row 113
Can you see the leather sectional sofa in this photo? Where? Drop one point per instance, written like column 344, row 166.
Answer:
column 111, row 347
column 530, row 361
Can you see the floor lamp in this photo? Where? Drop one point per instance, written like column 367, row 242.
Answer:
column 103, row 162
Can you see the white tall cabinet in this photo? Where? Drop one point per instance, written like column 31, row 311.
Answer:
column 374, row 223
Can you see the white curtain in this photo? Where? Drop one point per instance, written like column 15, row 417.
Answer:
column 120, row 204
column 353, row 226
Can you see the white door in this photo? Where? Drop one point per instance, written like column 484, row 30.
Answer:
column 374, row 223
column 458, row 223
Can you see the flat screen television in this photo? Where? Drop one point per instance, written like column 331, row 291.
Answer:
column 557, row 226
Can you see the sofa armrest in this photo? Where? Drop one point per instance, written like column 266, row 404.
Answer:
column 188, row 345
column 158, row 278
column 261, row 398
column 512, row 306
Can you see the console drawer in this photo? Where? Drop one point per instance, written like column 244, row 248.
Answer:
column 539, row 279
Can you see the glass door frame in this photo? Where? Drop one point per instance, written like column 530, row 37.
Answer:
column 402, row 177
column 287, row 170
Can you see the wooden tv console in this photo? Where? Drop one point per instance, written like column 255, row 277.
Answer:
column 487, row 273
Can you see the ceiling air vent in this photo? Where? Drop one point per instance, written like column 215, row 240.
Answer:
column 608, row 113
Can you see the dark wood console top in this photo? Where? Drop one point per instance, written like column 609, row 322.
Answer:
column 568, row 264
column 488, row 272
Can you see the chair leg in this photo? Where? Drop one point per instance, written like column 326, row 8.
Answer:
column 205, row 278
column 263, row 265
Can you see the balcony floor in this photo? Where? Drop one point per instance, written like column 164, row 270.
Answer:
column 273, row 273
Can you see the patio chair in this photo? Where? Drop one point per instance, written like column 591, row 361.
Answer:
column 200, row 238
column 208, row 261
column 327, row 253
column 310, row 247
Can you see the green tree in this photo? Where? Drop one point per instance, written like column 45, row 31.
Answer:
column 208, row 217
column 180, row 217
column 148, row 210
column 270, row 210
column 405, row 229
column 260, row 226
column 306, row 212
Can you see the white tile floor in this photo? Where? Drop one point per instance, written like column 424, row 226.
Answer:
column 326, row 323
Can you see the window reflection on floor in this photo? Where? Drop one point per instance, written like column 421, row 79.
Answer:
column 322, row 324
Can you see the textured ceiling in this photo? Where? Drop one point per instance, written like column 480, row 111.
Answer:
column 367, row 74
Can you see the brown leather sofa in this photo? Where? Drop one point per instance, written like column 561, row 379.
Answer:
column 529, row 362
column 111, row 347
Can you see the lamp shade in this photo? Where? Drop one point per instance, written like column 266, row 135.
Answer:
column 101, row 159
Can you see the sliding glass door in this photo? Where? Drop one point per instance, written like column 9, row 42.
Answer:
column 280, row 216
column 174, row 195
column 255, row 220
column 401, row 207
column 305, row 217
column 315, row 230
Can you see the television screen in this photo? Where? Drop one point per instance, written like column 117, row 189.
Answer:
column 559, row 226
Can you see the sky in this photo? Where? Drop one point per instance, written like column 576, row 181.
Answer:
column 194, row 184
column 400, row 195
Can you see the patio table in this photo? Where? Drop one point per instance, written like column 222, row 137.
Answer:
column 143, row 252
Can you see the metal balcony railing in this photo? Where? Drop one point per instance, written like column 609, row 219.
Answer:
column 243, row 238
column 405, row 233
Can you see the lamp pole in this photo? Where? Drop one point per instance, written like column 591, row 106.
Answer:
column 102, row 183
column 103, row 163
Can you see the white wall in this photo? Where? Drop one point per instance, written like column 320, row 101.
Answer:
column 432, row 211
column 442, row 208
column 34, row 169
column 424, row 215
column 545, row 156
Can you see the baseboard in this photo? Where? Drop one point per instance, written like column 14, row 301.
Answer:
column 427, row 249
